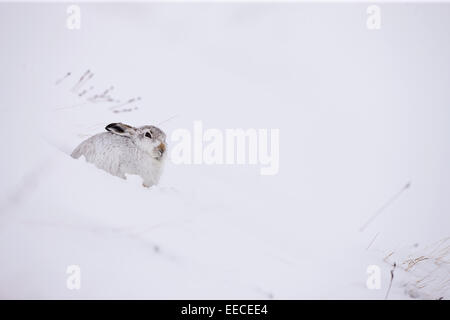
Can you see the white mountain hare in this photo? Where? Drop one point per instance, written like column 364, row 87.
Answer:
column 127, row 150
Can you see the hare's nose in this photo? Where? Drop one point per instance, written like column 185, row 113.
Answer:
column 162, row 148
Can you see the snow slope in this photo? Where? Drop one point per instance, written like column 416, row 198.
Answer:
column 361, row 114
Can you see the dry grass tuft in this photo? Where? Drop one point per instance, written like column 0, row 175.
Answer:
column 426, row 271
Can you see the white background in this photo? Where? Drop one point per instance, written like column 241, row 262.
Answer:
column 360, row 113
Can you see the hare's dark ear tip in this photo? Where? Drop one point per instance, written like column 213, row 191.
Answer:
column 114, row 127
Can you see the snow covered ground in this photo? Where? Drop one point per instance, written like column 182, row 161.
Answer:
column 361, row 114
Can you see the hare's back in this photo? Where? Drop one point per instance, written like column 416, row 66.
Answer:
column 104, row 145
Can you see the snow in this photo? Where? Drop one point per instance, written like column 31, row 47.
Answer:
column 361, row 113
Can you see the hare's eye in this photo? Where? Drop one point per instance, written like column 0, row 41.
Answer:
column 148, row 135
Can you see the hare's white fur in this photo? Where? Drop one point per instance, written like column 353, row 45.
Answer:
column 126, row 150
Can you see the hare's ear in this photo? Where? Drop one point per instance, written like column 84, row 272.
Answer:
column 120, row 129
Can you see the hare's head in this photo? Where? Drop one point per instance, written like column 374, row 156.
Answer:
column 147, row 138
